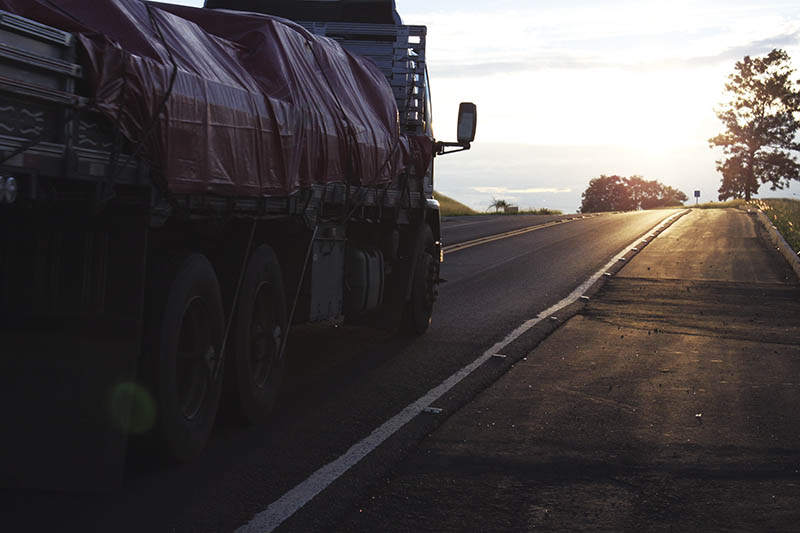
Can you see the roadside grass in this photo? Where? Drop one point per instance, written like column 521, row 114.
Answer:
column 540, row 211
column 717, row 205
column 785, row 214
column 449, row 207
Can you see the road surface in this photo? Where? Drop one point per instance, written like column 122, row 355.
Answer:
column 344, row 382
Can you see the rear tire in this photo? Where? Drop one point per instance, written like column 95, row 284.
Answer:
column 187, row 374
column 257, row 365
column 419, row 308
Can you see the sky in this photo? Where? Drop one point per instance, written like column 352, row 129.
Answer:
column 567, row 91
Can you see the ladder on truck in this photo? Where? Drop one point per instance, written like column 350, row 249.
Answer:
column 398, row 51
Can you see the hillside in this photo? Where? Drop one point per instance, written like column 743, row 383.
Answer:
column 450, row 207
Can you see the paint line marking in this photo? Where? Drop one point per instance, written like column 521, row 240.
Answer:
column 294, row 500
column 491, row 238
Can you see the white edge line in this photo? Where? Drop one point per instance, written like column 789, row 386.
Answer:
column 292, row 501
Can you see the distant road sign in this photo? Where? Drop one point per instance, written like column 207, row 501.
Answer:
column 697, row 194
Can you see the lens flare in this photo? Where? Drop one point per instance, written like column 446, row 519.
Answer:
column 132, row 408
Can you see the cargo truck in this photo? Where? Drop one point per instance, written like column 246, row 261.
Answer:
column 178, row 186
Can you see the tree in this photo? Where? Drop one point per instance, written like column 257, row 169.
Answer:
column 498, row 205
column 669, row 197
column 760, row 120
column 615, row 193
column 606, row 193
column 652, row 194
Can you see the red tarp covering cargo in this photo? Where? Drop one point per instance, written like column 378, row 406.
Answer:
column 230, row 103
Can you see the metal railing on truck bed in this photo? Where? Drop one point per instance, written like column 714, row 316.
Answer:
column 398, row 51
column 46, row 128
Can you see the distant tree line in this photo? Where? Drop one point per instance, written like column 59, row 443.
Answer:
column 617, row 193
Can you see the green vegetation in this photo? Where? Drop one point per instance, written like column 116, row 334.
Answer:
column 449, row 207
column 541, row 211
column 785, row 214
column 717, row 205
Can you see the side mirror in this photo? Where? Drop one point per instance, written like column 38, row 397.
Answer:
column 467, row 122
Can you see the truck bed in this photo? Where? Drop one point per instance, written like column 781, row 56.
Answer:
column 292, row 115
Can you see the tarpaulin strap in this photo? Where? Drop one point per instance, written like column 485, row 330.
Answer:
column 118, row 129
column 405, row 190
column 221, row 359
column 321, row 206
column 299, row 287
column 383, row 197
column 162, row 187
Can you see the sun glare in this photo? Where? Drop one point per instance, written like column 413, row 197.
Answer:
column 656, row 110
column 662, row 110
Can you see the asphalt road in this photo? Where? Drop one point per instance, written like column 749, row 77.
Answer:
column 460, row 229
column 343, row 383
column 668, row 403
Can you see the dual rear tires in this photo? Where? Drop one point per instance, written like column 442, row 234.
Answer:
column 186, row 360
column 185, row 364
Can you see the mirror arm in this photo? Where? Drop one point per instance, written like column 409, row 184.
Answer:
column 440, row 147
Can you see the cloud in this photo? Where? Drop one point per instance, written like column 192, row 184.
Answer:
column 567, row 60
column 505, row 190
column 510, row 66
column 754, row 48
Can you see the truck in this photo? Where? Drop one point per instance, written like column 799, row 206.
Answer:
column 178, row 187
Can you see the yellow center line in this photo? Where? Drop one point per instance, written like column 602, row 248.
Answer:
column 491, row 238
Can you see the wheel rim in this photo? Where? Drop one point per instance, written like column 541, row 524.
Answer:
column 196, row 358
column 266, row 336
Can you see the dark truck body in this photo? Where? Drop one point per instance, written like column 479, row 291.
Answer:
column 94, row 230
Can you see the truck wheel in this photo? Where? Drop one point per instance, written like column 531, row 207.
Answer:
column 256, row 361
column 419, row 309
column 187, row 370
